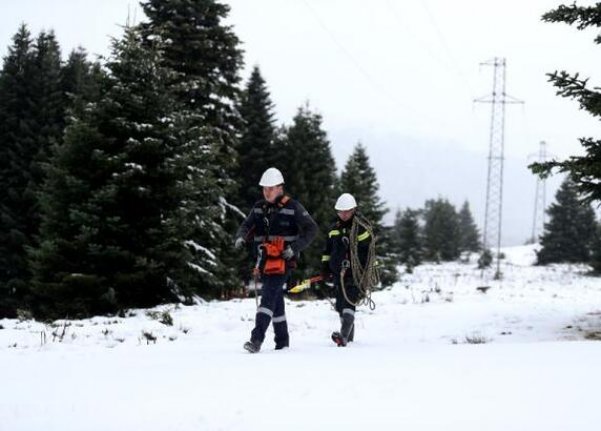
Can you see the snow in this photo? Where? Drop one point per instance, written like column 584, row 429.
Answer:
column 411, row 367
column 199, row 247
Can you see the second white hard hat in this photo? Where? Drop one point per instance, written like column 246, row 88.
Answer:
column 271, row 177
column 345, row 202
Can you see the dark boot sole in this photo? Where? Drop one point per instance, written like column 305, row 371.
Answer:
column 337, row 338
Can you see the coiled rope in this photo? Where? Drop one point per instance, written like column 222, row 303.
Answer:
column 365, row 277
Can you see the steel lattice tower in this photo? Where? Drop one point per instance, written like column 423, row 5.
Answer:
column 538, row 219
column 491, row 236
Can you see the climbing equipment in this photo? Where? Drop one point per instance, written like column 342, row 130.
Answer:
column 365, row 277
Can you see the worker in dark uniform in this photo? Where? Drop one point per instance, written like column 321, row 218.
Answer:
column 279, row 228
column 338, row 264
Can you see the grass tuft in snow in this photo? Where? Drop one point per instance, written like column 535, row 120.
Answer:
column 162, row 316
column 593, row 335
column 24, row 315
column 149, row 336
column 476, row 339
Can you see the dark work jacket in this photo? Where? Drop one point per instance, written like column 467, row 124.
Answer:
column 285, row 217
column 337, row 248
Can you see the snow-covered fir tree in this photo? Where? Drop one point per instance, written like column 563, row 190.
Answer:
column 81, row 81
column 256, row 147
column 359, row 178
column 408, row 238
column 595, row 260
column 114, row 227
column 469, row 237
column 441, row 231
column 304, row 156
column 31, row 119
column 205, row 54
column 571, row 229
column 17, row 137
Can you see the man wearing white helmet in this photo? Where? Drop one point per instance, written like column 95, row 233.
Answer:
column 279, row 228
column 338, row 266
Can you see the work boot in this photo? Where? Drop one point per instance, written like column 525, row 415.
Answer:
column 338, row 339
column 282, row 343
column 252, row 346
column 281, row 334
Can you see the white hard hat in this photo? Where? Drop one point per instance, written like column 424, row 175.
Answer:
column 345, row 202
column 271, row 177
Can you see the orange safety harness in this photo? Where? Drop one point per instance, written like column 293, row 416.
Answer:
column 269, row 257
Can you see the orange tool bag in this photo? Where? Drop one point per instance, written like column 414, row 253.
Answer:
column 274, row 262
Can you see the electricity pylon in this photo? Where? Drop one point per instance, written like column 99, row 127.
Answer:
column 494, row 181
column 540, row 196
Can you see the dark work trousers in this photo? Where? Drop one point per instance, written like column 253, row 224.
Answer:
column 272, row 308
column 345, row 309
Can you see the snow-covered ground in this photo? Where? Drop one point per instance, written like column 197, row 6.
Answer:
column 435, row 354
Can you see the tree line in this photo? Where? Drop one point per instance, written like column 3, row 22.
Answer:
column 435, row 233
column 124, row 179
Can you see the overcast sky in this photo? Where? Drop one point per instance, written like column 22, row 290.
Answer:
column 398, row 75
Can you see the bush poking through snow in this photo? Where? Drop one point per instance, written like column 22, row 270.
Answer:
column 476, row 339
column 149, row 336
column 59, row 332
column 162, row 316
column 472, row 339
column 593, row 335
column 23, row 315
column 166, row 318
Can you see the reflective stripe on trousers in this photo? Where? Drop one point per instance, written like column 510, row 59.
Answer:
column 271, row 309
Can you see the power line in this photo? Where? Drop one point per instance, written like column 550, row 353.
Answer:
column 379, row 90
column 443, row 41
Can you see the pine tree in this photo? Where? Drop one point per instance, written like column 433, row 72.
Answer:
column 359, row 179
column 114, row 225
column 206, row 57
column 386, row 258
column 17, row 145
column 584, row 170
column 49, row 114
column 81, row 82
column 407, row 232
column 571, row 228
column 595, row 261
column 441, row 231
column 256, row 148
column 31, row 120
column 469, row 237
column 306, row 161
